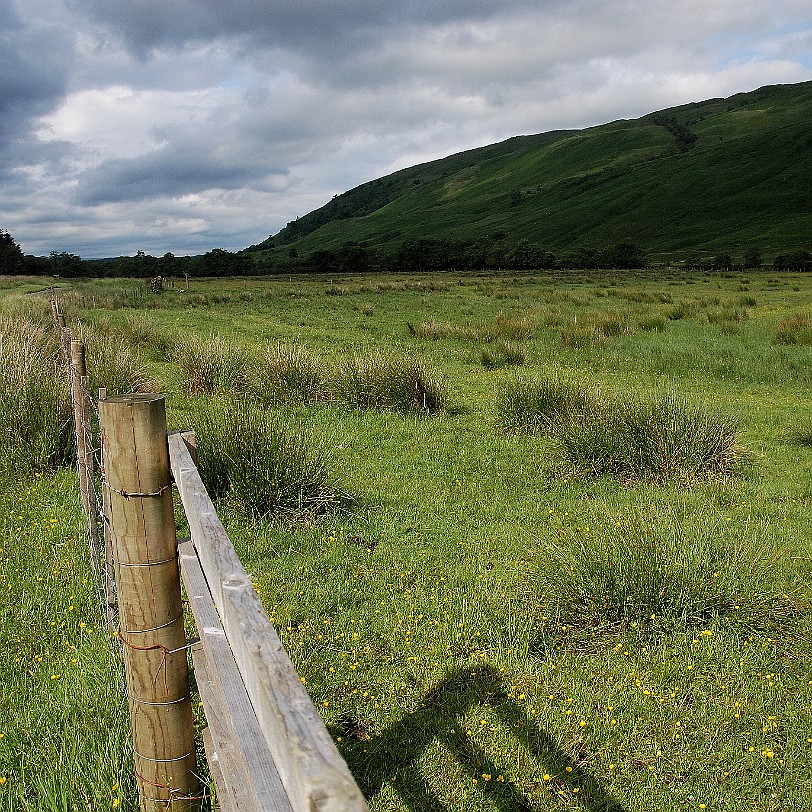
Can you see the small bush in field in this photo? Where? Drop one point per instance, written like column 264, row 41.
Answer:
column 543, row 403
column 209, row 365
column 280, row 373
column 256, row 460
column 389, row 382
column 795, row 330
column 631, row 571
column 653, row 438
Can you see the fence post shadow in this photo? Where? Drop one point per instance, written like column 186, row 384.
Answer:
column 374, row 761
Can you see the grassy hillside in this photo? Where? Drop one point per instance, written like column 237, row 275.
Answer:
column 725, row 174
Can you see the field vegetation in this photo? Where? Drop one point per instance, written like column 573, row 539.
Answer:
column 534, row 541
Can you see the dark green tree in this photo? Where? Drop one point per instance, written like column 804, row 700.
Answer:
column 625, row 255
column 11, row 255
column 722, row 262
column 65, row 264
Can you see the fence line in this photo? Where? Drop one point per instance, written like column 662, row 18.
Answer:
column 266, row 745
column 311, row 769
column 89, row 465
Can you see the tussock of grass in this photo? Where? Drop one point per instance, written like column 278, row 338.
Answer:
column 652, row 322
column 115, row 365
column 35, row 408
column 390, row 382
column 502, row 354
column 257, row 461
column 502, row 328
column 594, row 329
column 649, row 575
column 281, row 373
column 543, row 403
column 794, row 330
column 653, row 438
column 210, row 365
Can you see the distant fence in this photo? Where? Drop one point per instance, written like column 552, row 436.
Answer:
column 265, row 743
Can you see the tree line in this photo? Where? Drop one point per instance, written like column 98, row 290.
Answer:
column 413, row 255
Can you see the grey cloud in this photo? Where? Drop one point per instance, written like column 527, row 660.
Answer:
column 145, row 24
column 168, row 172
column 34, row 70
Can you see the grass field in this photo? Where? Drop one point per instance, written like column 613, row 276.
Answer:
column 486, row 619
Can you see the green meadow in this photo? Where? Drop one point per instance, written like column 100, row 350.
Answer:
column 533, row 541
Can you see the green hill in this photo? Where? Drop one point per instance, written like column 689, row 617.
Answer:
column 721, row 175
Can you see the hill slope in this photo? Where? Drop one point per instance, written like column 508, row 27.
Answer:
column 724, row 174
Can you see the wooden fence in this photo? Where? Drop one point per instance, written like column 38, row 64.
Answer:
column 265, row 743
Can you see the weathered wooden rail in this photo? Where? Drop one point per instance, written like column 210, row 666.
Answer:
column 266, row 744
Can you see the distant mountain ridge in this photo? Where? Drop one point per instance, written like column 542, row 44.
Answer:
column 722, row 174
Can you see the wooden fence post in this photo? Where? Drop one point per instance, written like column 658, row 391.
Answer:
column 83, row 427
column 142, row 525
column 84, row 449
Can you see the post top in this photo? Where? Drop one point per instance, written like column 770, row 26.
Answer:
column 133, row 397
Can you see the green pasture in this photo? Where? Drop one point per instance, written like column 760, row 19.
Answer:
column 442, row 609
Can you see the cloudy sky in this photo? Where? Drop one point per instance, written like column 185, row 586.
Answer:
column 187, row 125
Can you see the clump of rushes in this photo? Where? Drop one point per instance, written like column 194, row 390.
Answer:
column 502, row 354
column 653, row 576
column 35, row 408
column 509, row 328
column 594, row 329
column 114, row 365
column 257, row 461
column 390, row 382
column 281, row 373
column 653, row 438
column 209, row 365
column 794, row 330
column 543, row 403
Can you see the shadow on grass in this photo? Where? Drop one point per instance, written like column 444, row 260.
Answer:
column 375, row 760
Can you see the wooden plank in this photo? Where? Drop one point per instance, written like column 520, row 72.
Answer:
column 223, row 802
column 248, row 771
column 311, row 768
